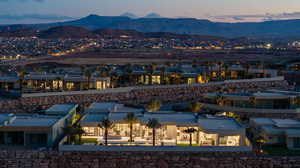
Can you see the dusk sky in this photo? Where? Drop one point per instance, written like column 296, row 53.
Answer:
column 218, row 10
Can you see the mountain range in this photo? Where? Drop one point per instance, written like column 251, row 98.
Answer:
column 79, row 32
column 155, row 23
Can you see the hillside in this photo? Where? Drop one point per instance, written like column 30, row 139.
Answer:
column 66, row 32
column 178, row 26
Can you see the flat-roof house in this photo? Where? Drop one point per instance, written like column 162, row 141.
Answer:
column 36, row 130
column 33, row 131
column 269, row 99
column 213, row 131
column 226, row 131
column 277, row 131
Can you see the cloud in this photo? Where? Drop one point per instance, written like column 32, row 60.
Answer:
column 255, row 17
column 35, row 16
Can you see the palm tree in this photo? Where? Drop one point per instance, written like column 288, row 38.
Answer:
column 163, row 75
column 106, row 124
column 253, row 101
column 152, row 69
column 69, row 131
column 247, row 68
column 21, row 73
column 195, row 107
column 79, row 132
column 226, row 68
column 190, row 131
column 153, row 124
column 129, row 71
column 220, row 100
column 131, row 119
column 220, row 64
column 154, row 105
column 260, row 141
column 72, row 131
column 88, row 75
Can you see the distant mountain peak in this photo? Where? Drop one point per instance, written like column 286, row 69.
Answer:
column 92, row 16
column 153, row 15
column 130, row 15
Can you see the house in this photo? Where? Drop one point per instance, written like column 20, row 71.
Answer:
column 67, row 110
column 210, row 131
column 36, row 130
column 269, row 99
column 277, row 131
column 72, row 81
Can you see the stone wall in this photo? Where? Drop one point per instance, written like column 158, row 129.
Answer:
column 54, row 159
column 136, row 95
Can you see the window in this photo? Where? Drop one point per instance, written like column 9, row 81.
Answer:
column 99, row 85
column 191, row 80
column 155, row 79
column 70, row 85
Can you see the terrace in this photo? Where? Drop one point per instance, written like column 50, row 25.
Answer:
column 208, row 131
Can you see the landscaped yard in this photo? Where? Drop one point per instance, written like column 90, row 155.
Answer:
column 89, row 140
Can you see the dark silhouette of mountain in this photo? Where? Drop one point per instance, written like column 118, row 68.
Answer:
column 181, row 36
column 113, row 33
column 153, row 15
column 66, row 32
column 130, row 15
column 178, row 26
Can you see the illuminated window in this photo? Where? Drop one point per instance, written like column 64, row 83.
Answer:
column 191, row 80
column 70, row 85
column 155, row 79
column 201, row 79
column 234, row 75
column 99, row 85
column 57, row 84
column 214, row 74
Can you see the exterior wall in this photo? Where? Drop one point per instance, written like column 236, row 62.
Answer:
column 168, row 94
column 45, row 159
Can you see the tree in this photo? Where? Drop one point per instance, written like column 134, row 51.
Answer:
column 153, row 124
column 21, row 73
column 253, row 101
column 79, row 132
column 151, row 70
column 88, row 75
column 106, row 124
column 190, row 131
column 220, row 100
column 131, row 119
column 71, row 131
column 220, row 65
column 226, row 68
column 260, row 141
column 195, row 107
column 163, row 75
column 247, row 68
column 154, row 105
